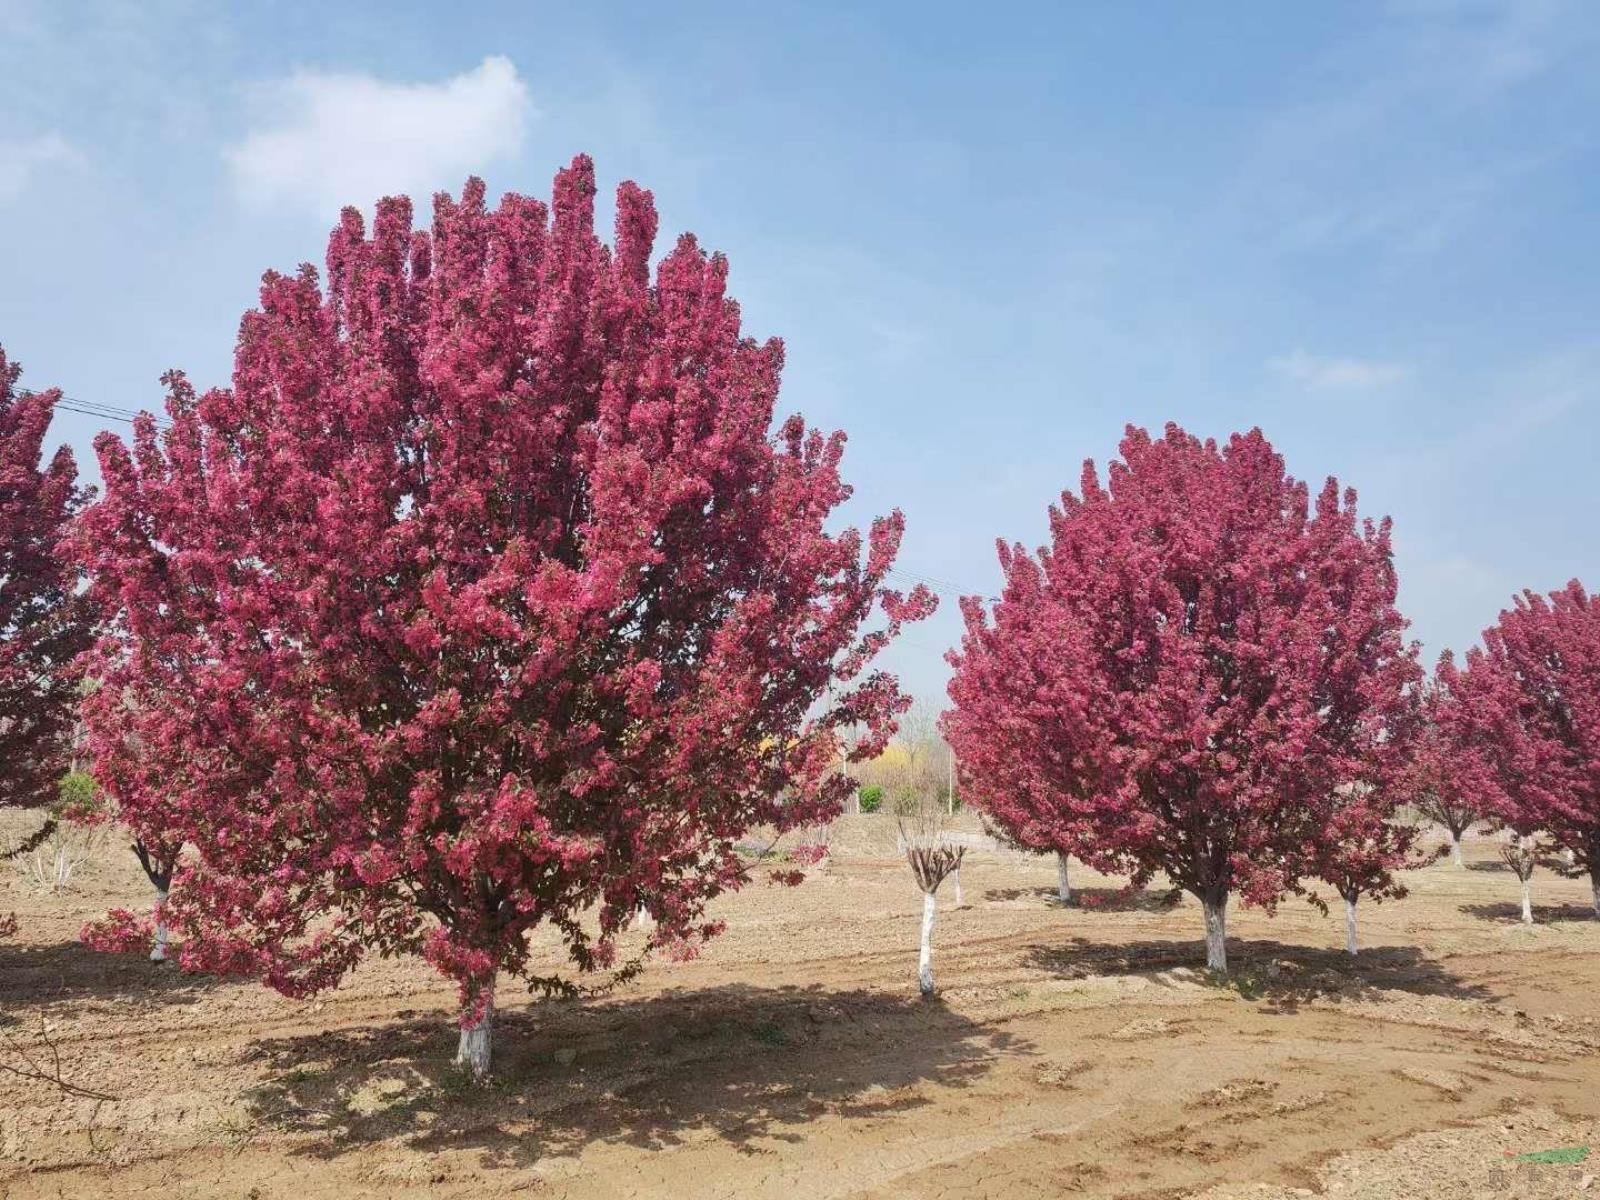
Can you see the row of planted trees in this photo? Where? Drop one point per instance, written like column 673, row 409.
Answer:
column 490, row 598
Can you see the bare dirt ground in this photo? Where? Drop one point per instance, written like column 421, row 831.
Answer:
column 1072, row 1052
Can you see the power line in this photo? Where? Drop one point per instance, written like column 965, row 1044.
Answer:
column 106, row 416
column 108, row 412
column 943, row 586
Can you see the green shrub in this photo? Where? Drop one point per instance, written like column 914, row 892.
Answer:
column 871, row 798
column 80, row 795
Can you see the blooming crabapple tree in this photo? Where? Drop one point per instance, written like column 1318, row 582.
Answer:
column 1525, row 725
column 1364, row 843
column 1184, row 677
column 42, row 620
column 486, row 599
column 1432, row 787
column 1028, row 792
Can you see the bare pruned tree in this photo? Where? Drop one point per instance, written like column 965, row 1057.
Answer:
column 932, row 857
column 1522, row 854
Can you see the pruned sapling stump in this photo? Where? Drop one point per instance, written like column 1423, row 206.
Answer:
column 931, row 861
column 1522, row 854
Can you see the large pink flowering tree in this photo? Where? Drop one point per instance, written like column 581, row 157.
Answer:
column 1525, row 722
column 42, row 621
column 485, row 600
column 1187, row 676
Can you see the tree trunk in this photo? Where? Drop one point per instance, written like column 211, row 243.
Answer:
column 1527, row 905
column 925, row 959
column 473, row 1049
column 1350, row 925
column 1216, row 934
column 159, row 953
column 1594, row 883
column 1455, row 848
column 955, row 878
column 1063, row 888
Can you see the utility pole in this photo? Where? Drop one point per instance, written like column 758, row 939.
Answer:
column 853, row 805
column 950, row 784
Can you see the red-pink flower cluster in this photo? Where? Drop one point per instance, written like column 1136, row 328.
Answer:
column 120, row 931
column 42, row 622
column 483, row 600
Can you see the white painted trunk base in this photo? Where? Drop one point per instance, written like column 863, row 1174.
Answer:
column 1596, row 882
column 1063, row 886
column 925, row 959
column 1350, row 926
column 473, row 1050
column 159, row 952
column 1527, row 904
column 955, row 878
column 1455, row 849
column 1216, row 934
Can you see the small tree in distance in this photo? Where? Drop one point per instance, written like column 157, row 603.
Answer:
column 1181, row 680
column 1364, row 846
column 485, row 600
column 1432, row 785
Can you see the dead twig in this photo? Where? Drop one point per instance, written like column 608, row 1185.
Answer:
column 52, row 1072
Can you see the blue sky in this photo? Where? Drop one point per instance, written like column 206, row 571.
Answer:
column 990, row 235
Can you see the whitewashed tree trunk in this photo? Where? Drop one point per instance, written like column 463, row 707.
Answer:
column 955, row 878
column 1455, row 849
column 1594, row 882
column 1527, row 904
column 1063, row 887
column 158, row 953
column 473, row 1049
column 1216, row 934
column 1350, row 925
column 925, row 958
column 642, row 919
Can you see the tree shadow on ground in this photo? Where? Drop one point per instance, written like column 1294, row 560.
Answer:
column 1489, row 864
column 1542, row 913
column 1095, row 899
column 70, row 971
column 740, row 1063
column 1283, row 975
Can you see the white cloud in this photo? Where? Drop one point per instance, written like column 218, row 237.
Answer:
column 1323, row 371
column 21, row 158
column 327, row 140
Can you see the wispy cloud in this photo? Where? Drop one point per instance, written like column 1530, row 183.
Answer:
column 326, row 140
column 1325, row 371
column 21, row 159
column 1401, row 140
